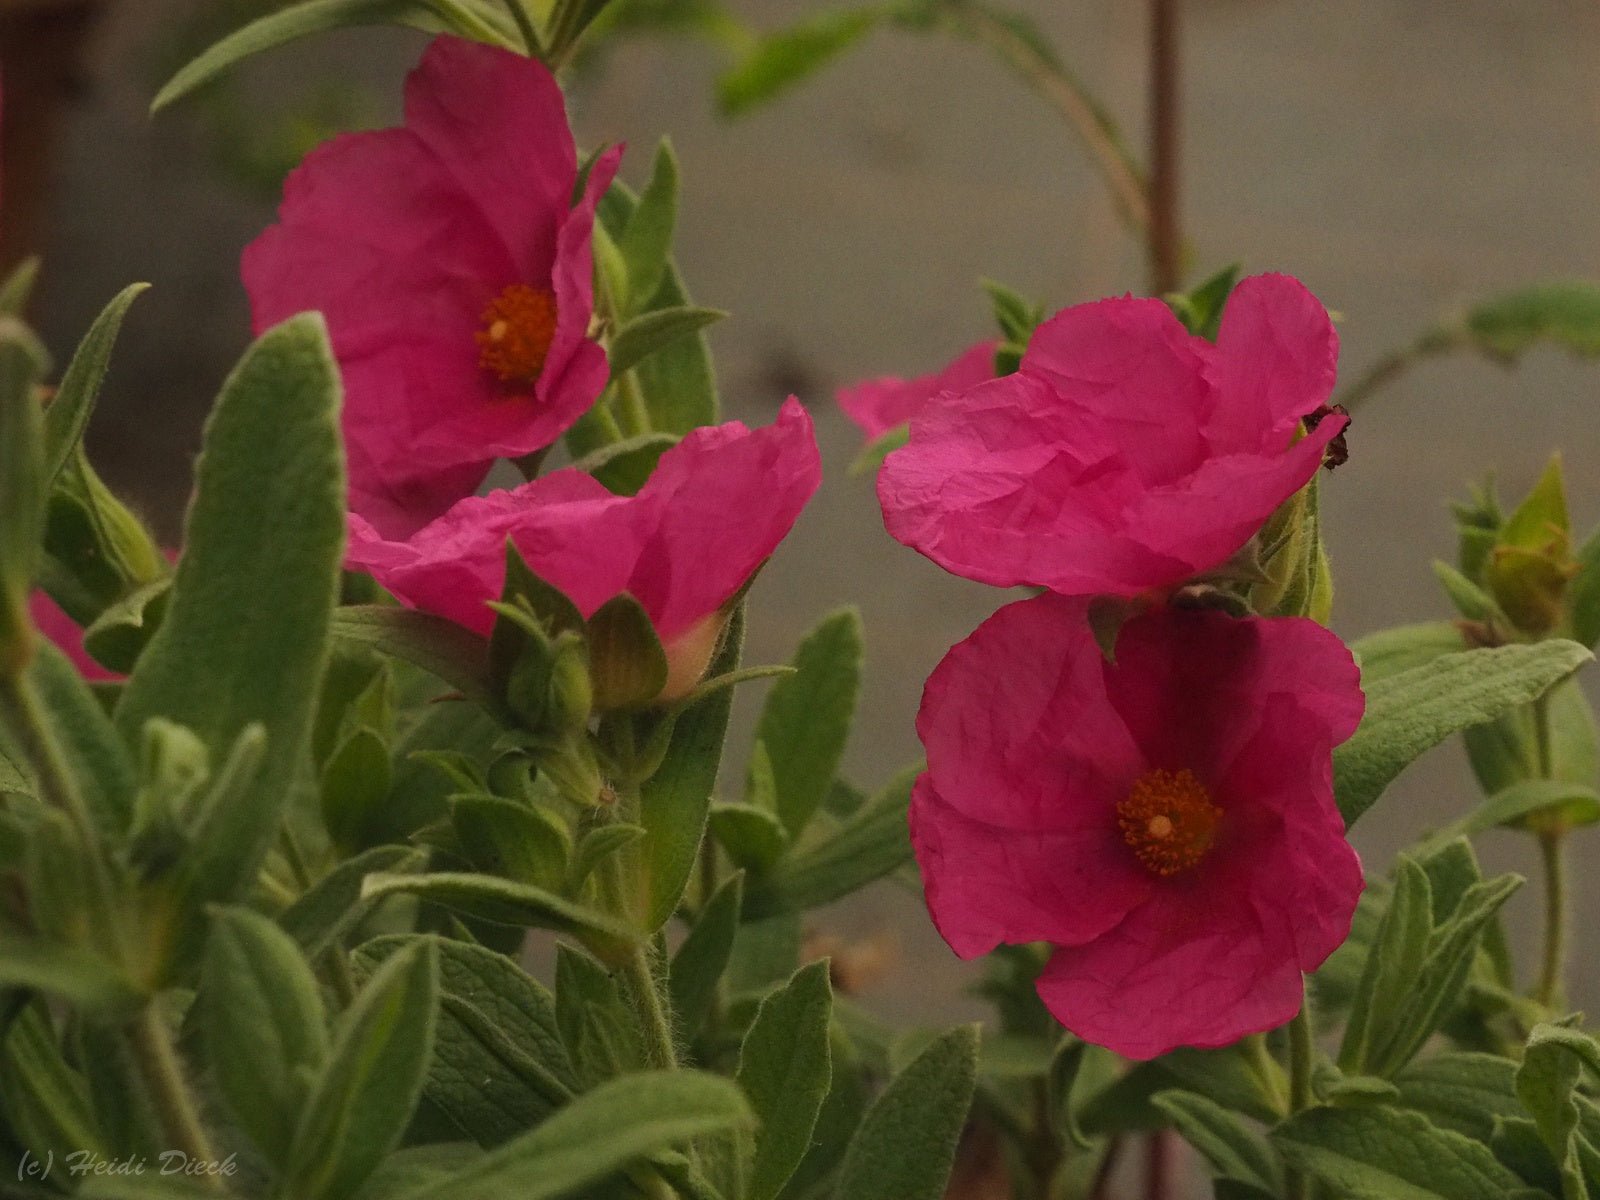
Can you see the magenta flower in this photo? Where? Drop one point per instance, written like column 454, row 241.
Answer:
column 67, row 634
column 879, row 405
column 455, row 273
column 1125, row 454
column 716, row 507
column 1165, row 822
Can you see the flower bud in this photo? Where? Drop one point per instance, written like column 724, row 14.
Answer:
column 1530, row 563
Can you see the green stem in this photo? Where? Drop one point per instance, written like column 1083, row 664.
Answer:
column 646, row 991
column 633, row 416
column 525, row 29
column 21, row 712
column 1067, row 95
column 1552, row 846
column 158, row 1066
column 1300, row 1062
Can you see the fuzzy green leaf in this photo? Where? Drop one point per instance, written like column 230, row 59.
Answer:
column 784, row 1070
column 676, row 799
column 321, row 16
column 363, row 1098
column 598, row 1135
column 69, row 412
column 246, row 637
column 1233, row 1149
column 1390, row 1154
column 1414, row 710
column 654, row 331
column 907, row 1141
column 264, row 1025
column 444, row 649
column 807, row 717
column 501, row 901
column 863, row 849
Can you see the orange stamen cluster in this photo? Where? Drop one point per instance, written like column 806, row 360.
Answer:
column 1168, row 819
column 517, row 329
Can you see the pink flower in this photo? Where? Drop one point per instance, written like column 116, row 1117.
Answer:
column 1166, row 822
column 67, row 635
column 716, row 507
column 879, row 405
column 1126, row 454
column 455, row 274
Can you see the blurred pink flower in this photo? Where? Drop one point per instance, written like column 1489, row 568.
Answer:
column 1125, row 454
column 67, row 635
column 716, row 506
column 456, row 276
column 878, row 405
column 1166, row 822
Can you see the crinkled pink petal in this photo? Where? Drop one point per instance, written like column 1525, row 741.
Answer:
column 1218, row 952
column 1195, row 966
column 1007, row 485
column 1168, row 659
column 566, row 524
column 1034, row 740
column 1276, row 357
column 576, row 367
column 726, row 496
column 988, row 884
column 402, row 238
column 1125, row 455
column 1134, row 365
column 1205, row 518
column 716, row 507
column 1017, row 728
column 495, row 122
column 879, row 405
column 67, row 635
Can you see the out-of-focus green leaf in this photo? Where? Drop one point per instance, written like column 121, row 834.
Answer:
column 781, row 60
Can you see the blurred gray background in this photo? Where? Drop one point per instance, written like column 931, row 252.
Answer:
column 1401, row 156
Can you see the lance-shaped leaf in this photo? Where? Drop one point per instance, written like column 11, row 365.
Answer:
column 334, row 904
column 1231, row 1147
column 444, row 649
column 868, row 846
column 23, row 487
column 1545, row 1082
column 807, row 717
column 363, row 1098
column 1388, row 1154
column 1465, row 1091
column 321, row 16
column 907, row 1141
column 498, row 1064
column 781, row 60
column 646, row 242
column 264, row 1025
column 654, row 331
column 246, row 637
column 1414, row 710
column 784, row 1070
column 504, row 902
column 598, row 1135
column 69, row 412
column 676, row 799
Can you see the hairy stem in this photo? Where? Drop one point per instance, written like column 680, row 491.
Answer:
column 1550, row 989
column 158, row 1065
column 647, row 993
column 1300, row 1062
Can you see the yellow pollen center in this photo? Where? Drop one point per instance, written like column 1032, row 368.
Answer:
column 518, row 326
column 1168, row 820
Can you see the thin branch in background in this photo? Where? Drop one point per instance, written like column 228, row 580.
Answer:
column 1057, row 85
column 1165, row 238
